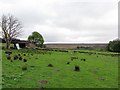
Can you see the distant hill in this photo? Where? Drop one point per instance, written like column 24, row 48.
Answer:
column 76, row 45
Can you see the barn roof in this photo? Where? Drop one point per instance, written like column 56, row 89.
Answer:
column 14, row 41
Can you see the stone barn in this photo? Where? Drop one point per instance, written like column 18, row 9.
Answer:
column 22, row 43
column 26, row 44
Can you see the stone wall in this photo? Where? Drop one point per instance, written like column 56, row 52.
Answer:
column 30, row 45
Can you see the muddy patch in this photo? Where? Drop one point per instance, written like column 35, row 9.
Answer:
column 43, row 82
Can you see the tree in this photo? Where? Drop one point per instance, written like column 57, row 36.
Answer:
column 114, row 45
column 37, row 39
column 11, row 28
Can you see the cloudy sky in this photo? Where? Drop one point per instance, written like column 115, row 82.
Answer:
column 74, row 21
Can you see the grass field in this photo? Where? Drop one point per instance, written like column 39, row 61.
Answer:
column 0, row 75
column 97, row 71
column 0, row 66
column 4, row 45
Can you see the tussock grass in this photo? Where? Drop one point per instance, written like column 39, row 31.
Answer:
column 97, row 71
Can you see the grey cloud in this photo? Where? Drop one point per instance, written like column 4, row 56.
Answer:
column 65, row 20
column 8, row 1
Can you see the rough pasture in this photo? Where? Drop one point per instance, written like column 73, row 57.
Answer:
column 54, row 69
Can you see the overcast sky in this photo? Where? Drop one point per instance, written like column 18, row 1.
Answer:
column 74, row 21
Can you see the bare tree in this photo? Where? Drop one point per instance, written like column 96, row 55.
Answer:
column 11, row 28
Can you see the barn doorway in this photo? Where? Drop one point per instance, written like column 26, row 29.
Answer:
column 22, row 45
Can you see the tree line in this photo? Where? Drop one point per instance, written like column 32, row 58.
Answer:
column 114, row 46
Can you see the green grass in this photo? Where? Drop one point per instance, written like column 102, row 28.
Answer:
column 4, row 45
column 0, row 69
column 95, row 72
column 98, row 51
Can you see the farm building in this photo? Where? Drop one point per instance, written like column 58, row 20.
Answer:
column 22, row 43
